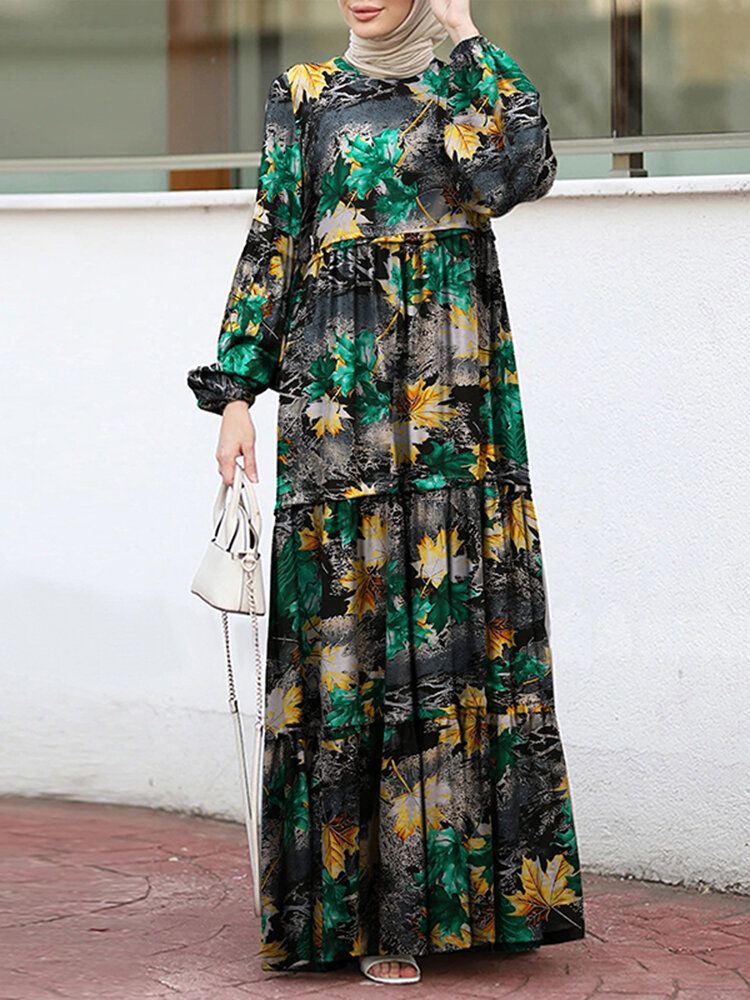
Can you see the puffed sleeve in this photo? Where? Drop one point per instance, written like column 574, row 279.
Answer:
column 495, row 132
column 252, row 333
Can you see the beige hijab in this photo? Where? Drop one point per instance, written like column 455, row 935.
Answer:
column 405, row 51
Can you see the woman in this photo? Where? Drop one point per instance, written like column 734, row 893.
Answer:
column 415, row 788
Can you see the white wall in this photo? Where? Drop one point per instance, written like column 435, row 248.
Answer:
column 630, row 319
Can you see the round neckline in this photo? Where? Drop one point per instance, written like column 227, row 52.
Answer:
column 435, row 61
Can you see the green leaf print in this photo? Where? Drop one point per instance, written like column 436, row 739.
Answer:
column 397, row 628
column 447, row 913
column 508, row 424
column 310, row 585
column 280, row 180
column 334, row 894
column 502, row 747
column 512, row 927
column 504, row 355
column 347, row 708
column 447, row 860
column 450, row 600
column 436, row 83
column 526, row 667
column 480, row 855
column 298, row 590
column 344, row 520
column 281, row 170
column 421, row 606
column 448, row 278
column 285, row 591
column 396, row 616
column 466, row 82
column 296, row 808
column 495, row 682
column 275, row 790
column 345, row 373
column 333, row 186
column 248, row 311
column 373, row 160
column 398, row 201
column 504, row 66
column 444, row 460
column 371, row 404
column 566, row 837
column 321, row 369
column 247, row 355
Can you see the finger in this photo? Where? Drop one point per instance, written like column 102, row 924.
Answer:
column 251, row 469
column 227, row 461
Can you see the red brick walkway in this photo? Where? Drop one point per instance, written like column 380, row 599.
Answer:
column 110, row 903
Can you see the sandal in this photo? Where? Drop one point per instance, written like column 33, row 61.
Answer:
column 366, row 962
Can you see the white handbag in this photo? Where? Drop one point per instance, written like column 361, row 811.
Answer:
column 230, row 579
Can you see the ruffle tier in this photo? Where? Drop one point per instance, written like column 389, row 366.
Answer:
column 416, row 797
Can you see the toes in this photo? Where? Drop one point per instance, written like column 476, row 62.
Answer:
column 394, row 970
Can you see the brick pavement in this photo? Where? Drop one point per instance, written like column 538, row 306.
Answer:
column 114, row 903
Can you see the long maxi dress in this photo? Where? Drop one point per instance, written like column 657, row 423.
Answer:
column 416, row 795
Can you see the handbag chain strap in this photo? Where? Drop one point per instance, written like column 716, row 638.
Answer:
column 248, row 563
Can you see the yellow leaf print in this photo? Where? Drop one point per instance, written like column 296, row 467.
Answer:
column 462, row 139
column 475, row 701
column 464, row 334
column 406, row 810
column 422, row 404
column 405, row 440
column 506, row 85
column 367, row 692
column 366, row 584
column 494, row 539
column 273, row 949
column 280, row 261
column 361, row 490
column 373, row 529
column 359, row 943
column 314, row 264
column 317, row 536
column 432, row 564
column 462, row 940
column 307, row 80
column 521, row 523
column 494, row 128
column 391, row 286
column 284, row 708
column 449, row 730
column 341, row 224
column 339, row 838
column 329, row 414
column 498, row 634
column 542, row 892
column 337, row 669
column 485, row 453
column 437, row 795
column 318, row 923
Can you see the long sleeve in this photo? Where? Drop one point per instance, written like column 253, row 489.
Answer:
column 252, row 334
column 495, row 133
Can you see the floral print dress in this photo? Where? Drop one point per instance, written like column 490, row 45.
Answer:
column 416, row 796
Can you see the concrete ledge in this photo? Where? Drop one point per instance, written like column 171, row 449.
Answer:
column 599, row 187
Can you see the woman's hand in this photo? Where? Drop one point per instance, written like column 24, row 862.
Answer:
column 455, row 16
column 236, row 437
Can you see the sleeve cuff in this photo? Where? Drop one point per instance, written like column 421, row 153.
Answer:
column 473, row 44
column 214, row 388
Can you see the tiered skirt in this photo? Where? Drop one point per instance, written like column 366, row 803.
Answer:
column 416, row 795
